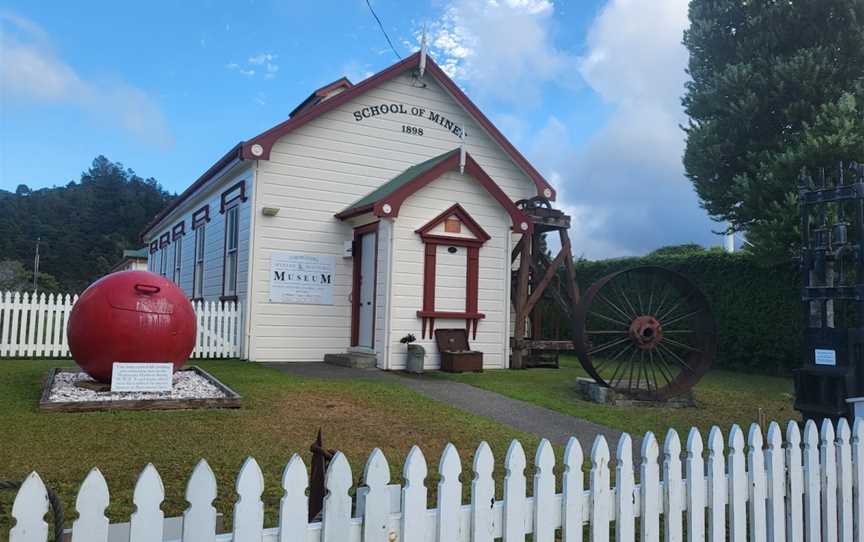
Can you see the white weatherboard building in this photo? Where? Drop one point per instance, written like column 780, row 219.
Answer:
column 376, row 210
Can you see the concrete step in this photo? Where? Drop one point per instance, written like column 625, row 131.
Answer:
column 357, row 360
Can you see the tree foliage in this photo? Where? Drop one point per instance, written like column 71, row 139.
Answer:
column 84, row 227
column 776, row 86
column 14, row 277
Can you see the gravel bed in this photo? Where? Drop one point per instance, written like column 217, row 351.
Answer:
column 187, row 385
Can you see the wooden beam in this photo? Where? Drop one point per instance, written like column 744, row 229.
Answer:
column 547, row 278
column 517, row 249
column 516, row 359
column 542, row 345
column 572, row 284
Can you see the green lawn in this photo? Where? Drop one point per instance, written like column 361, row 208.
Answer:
column 722, row 398
column 281, row 415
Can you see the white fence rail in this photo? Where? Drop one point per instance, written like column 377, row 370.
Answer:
column 806, row 490
column 35, row 326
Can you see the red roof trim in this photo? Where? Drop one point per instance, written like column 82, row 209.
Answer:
column 521, row 224
column 490, row 128
column 456, row 209
column 268, row 138
column 230, row 156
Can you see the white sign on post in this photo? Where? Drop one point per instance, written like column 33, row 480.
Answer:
column 302, row 278
column 825, row 357
column 142, row 377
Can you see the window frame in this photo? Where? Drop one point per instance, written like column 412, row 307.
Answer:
column 232, row 197
column 198, row 278
column 178, row 261
column 232, row 229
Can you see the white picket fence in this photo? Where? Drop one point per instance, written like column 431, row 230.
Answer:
column 218, row 329
column 808, row 490
column 35, row 326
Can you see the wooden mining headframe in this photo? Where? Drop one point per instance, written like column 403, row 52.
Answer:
column 536, row 277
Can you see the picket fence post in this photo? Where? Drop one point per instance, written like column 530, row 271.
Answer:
column 772, row 489
column 34, row 325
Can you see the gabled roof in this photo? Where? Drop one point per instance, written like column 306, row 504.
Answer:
column 365, row 203
column 459, row 212
column 386, row 200
column 258, row 148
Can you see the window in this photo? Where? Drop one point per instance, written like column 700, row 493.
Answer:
column 198, row 269
column 232, row 237
column 163, row 262
column 178, row 256
column 177, row 234
column 151, row 261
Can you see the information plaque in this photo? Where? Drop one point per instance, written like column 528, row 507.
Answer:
column 142, row 377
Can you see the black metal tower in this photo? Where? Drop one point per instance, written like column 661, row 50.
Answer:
column 832, row 269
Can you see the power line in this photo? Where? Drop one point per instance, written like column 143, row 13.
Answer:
column 381, row 26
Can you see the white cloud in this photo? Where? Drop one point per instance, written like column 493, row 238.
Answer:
column 625, row 186
column 262, row 58
column 501, row 48
column 256, row 63
column 32, row 72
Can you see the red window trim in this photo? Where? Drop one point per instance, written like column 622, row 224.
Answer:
column 229, row 200
column 178, row 231
column 201, row 217
column 355, row 281
column 164, row 240
column 428, row 314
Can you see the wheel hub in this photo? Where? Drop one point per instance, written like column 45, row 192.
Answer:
column 646, row 332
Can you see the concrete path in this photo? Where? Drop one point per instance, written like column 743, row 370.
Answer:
column 526, row 417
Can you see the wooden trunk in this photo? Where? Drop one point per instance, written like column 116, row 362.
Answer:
column 456, row 356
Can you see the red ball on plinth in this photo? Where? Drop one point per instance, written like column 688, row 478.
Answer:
column 130, row 316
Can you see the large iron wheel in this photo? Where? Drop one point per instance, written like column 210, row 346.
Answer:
column 646, row 332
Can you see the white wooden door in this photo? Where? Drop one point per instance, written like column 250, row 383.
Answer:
column 367, row 291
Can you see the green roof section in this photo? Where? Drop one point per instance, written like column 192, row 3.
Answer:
column 136, row 253
column 399, row 181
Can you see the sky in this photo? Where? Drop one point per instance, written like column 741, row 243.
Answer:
column 588, row 90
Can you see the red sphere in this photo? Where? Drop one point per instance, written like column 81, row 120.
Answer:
column 130, row 316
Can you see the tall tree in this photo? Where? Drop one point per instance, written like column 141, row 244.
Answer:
column 83, row 227
column 776, row 86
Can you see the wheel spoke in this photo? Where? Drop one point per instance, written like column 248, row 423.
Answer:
column 605, row 332
column 650, row 295
column 607, row 345
column 621, row 364
column 614, row 306
column 626, row 299
column 665, row 370
column 614, row 321
column 683, row 316
column 662, row 299
column 681, row 345
column 653, row 368
column 676, row 356
column 605, row 361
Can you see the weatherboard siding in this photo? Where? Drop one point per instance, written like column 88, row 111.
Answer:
column 214, row 238
column 329, row 163
column 450, row 279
